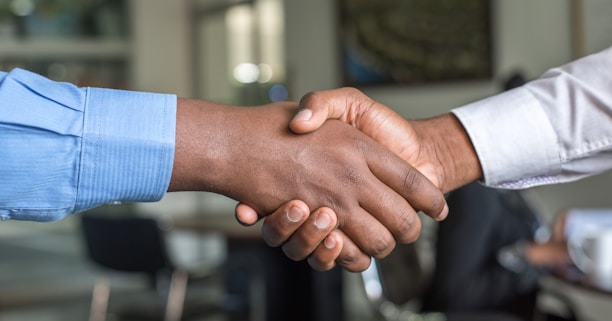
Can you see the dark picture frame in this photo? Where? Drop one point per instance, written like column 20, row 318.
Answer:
column 387, row 42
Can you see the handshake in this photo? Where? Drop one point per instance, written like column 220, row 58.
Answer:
column 338, row 178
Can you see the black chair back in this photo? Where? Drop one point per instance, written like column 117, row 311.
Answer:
column 130, row 244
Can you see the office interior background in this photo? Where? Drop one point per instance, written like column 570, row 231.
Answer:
column 248, row 53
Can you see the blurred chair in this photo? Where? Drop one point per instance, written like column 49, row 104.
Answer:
column 137, row 245
column 395, row 285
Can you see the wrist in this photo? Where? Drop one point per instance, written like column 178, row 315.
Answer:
column 201, row 150
column 447, row 146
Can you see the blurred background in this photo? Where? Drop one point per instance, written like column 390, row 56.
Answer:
column 251, row 52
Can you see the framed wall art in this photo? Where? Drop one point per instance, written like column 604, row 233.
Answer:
column 385, row 42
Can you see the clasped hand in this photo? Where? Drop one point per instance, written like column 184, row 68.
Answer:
column 370, row 194
column 357, row 233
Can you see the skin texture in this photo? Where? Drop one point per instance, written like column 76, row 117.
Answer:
column 250, row 155
column 438, row 147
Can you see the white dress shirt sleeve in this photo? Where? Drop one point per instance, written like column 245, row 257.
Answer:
column 555, row 129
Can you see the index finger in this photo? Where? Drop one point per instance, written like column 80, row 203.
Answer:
column 401, row 181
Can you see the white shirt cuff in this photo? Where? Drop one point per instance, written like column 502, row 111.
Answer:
column 513, row 138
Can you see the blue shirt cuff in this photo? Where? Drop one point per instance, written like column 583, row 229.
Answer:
column 128, row 147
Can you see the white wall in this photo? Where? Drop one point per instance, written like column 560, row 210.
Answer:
column 161, row 47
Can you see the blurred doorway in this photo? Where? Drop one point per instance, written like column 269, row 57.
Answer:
column 239, row 51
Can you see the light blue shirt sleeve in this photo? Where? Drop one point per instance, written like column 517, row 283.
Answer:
column 65, row 149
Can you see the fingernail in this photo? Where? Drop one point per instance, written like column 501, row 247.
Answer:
column 322, row 221
column 303, row 115
column 443, row 214
column 294, row 214
column 329, row 242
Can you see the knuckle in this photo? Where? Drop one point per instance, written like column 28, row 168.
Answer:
column 310, row 98
column 273, row 241
column 382, row 246
column 352, row 91
column 353, row 176
column 356, row 265
column 291, row 253
column 271, row 236
column 318, row 264
column 349, row 257
column 410, row 237
column 404, row 229
column 411, row 233
column 411, row 180
column 288, row 254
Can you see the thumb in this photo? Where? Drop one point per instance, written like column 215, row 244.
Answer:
column 303, row 122
column 309, row 119
column 317, row 107
column 246, row 215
